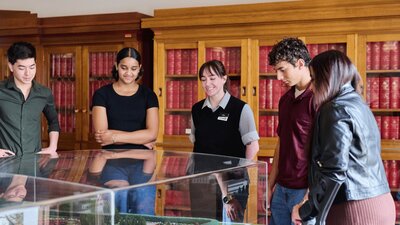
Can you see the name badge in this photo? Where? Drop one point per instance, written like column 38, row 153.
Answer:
column 223, row 117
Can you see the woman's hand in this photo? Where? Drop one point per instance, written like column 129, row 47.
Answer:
column 295, row 215
column 6, row 153
column 104, row 137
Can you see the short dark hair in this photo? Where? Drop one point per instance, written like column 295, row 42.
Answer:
column 123, row 53
column 330, row 71
column 290, row 50
column 21, row 50
column 218, row 67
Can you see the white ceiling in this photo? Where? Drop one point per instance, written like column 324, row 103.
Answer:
column 53, row 8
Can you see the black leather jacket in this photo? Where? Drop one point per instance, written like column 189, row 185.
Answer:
column 346, row 159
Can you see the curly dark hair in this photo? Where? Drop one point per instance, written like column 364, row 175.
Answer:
column 290, row 50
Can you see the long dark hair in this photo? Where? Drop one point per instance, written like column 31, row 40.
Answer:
column 330, row 70
column 123, row 53
column 219, row 69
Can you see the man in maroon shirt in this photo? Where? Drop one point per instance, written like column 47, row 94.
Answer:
column 287, row 182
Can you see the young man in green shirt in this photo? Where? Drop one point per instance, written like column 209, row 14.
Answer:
column 22, row 102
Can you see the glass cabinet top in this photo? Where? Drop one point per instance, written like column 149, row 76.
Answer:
column 95, row 167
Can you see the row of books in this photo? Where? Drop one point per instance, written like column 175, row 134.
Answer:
column 66, row 120
column 314, row 50
column 181, row 94
column 383, row 92
column 388, row 126
column 64, row 93
column 383, row 55
column 62, row 65
column 268, row 125
column 182, row 61
column 175, row 198
column 229, row 56
column 392, row 172
column 176, row 124
column 174, row 166
column 101, row 63
column 271, row 91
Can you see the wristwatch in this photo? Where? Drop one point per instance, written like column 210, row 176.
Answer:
column 227, row 198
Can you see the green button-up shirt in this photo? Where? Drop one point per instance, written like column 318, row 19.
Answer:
column 20, row 119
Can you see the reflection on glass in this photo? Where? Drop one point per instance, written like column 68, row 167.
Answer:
column 117, row 169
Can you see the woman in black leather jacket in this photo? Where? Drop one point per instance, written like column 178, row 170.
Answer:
column 346, row 170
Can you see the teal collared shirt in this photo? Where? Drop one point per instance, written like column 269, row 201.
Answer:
column 20, row 119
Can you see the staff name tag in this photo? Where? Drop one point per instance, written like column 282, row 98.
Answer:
column 223, row 117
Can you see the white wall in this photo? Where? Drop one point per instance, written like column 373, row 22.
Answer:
column 53, row 8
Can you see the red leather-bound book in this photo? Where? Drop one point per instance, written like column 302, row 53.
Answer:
column 216, row 53
column 262, row 93
column 238, row 60
column 193, row 62
column 169, row 93
column 369, row 56
column 394, row 97
column 374, row 96
column 313, row 49
column 181, row 92
column 385, row 127
column 175, row 94
column 187, row 94
column 183, row 124
column 227, row 60
column 232, row 61
column 385, row 55
column 262, row 126
column 384, row 92
column 57, row 93
column 178, row 61
column 269, row 93
column 194, row 91
column 394, row 128
column 276, row 122
column 169, row 120
column 263, row 59
column 222, row 55
column 57, row 70
column 376, row 55
column 100, row 64
column 176, row 124
column 208, row 54
column 170, row 62
column 270, row 126
column 92, row 64
column 393, row 174
column 185, row 61
column 106, row 64
column 53, row 65
column 322, row 48
column 69, row 66
column 276, row 93
column 394, row 56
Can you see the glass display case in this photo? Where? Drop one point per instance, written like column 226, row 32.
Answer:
column 36, row 201
column 140, row 186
